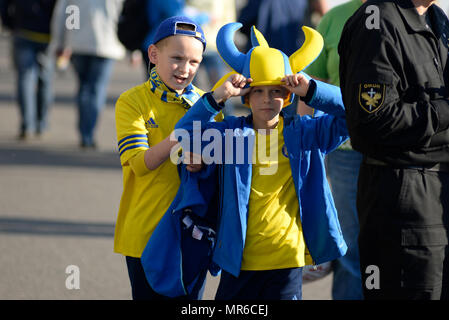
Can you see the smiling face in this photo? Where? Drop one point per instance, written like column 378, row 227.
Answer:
column 177, row 59
column 266, row 103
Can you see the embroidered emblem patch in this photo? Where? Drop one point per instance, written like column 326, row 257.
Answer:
column 371, row 96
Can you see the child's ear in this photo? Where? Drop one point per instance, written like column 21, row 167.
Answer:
column 153, row 53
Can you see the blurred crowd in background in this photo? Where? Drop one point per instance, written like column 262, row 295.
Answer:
column 91, row 35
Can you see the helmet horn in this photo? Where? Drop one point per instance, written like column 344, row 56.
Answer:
column 309, row 51
column 257, row 38
column 227, row 49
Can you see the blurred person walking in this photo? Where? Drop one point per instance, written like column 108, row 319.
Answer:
column 211, row 15
column 279, row 20
column 137, row 25
column 91, row 44
column 29, row 21
column 342, row 164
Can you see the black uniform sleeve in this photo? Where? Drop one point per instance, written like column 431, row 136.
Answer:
column 379, row 108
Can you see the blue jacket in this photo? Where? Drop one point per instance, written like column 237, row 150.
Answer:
column 307, row 141
column 178, row 253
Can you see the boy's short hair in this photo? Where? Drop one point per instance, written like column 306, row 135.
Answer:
column 179, row 25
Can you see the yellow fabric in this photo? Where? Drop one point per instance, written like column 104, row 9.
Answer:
column 274, row 238
column 34, row 36
column 267, row 66
column 259, row 37
column 137, row 164
column 146, row 195
column 309, row 51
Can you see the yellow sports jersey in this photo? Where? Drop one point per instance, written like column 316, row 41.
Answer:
column 274, row 238
column 146, row 115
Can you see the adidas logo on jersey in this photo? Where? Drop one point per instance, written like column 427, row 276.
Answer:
column 152, row 124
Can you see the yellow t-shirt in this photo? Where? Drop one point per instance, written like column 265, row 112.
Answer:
column 143, row 119
column 274, row 238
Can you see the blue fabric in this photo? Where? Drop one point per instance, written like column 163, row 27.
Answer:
column 278, row 284
column 158, row 11
column 279, row 21
column 93, row 76
column 34, row 83
column 141, row 289
column 174, row 262
column 343, row 171
column 307, row 141
column 168, row 28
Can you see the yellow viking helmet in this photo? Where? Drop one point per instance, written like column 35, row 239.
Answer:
column 265, row 65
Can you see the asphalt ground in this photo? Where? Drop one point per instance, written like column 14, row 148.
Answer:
column 58, row 203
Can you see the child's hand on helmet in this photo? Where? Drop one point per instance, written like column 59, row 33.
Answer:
column 297, row 84
column 234, row 86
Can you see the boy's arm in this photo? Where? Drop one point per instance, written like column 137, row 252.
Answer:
column 211, row 103
column 152, row 158
column 203, row 113
column 132, row 135
column 160, row 152
column 190, row 128
column 326, row 131
column 327, row 98
column 329, row 130
column 316, row 94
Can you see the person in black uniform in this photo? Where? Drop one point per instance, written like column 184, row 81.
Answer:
column 394, row 81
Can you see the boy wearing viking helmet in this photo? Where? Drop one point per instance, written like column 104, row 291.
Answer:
column 272, row 222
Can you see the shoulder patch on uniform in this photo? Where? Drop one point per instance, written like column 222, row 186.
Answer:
column 371, row 96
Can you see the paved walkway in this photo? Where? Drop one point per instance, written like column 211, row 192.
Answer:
column 58, row 204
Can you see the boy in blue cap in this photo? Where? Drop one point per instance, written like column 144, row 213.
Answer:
column 145, row 118
column 277, row 213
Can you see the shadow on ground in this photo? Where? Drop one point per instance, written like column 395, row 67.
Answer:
column 55, row 227
column 36, row 156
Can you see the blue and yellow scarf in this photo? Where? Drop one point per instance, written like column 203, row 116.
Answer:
column 158, row 87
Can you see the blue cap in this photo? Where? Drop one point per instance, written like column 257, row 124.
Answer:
column 168, row 28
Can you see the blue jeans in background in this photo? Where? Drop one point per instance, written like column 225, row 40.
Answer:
column 343, row 171
column 141, row 289
column 93, row 76
column 278, row 284
column 34, row 84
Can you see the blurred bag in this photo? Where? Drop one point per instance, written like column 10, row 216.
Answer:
column 133, row 24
